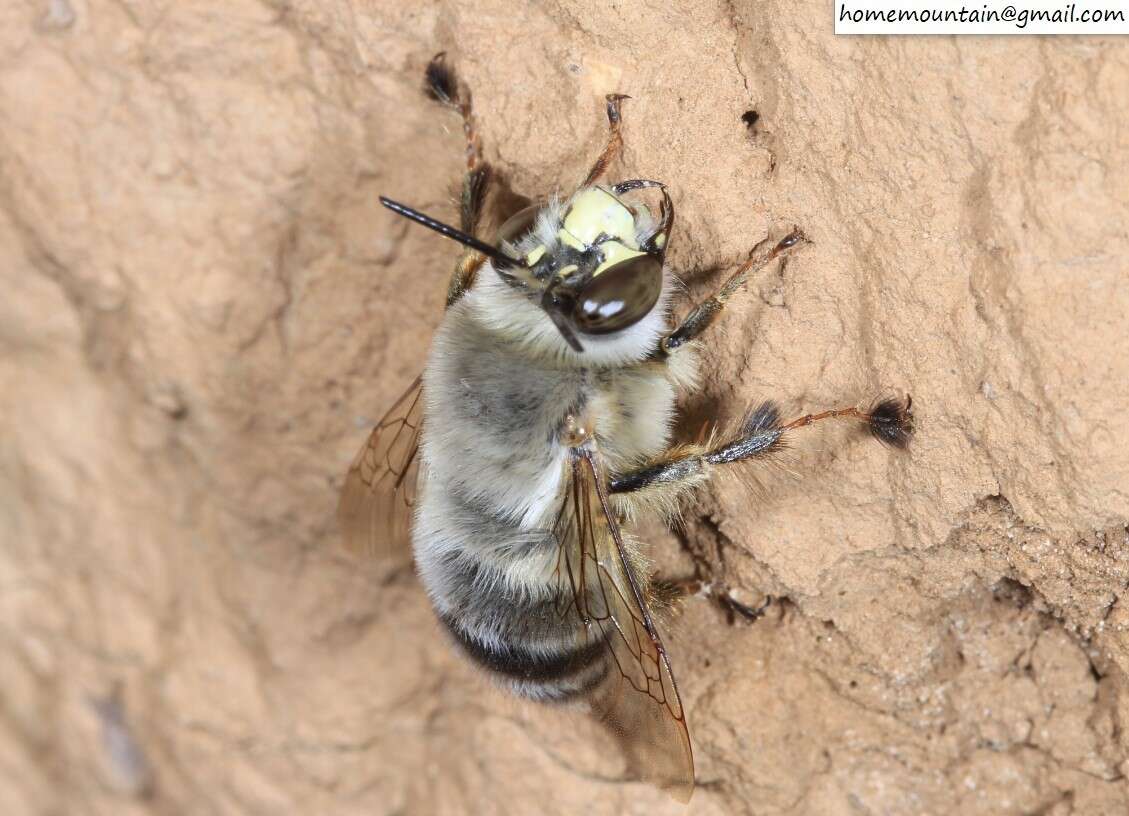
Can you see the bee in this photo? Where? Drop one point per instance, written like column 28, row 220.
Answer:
column 541, row 425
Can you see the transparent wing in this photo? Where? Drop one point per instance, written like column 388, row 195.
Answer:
column 375, row 509
column 607, row 588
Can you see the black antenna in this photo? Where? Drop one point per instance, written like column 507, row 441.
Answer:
column 493, row 253
column 551, row 304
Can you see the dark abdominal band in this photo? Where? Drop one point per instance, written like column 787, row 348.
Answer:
column 570, row 672
column 523, row 632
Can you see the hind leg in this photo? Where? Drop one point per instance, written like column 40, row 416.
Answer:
column 662, row 482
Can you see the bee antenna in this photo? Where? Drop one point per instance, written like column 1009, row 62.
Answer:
column 495, row 254
column 550, row 303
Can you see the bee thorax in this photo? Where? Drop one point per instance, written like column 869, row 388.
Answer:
column 575, row 431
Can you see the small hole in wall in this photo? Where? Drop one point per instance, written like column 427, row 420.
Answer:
column 750, row 118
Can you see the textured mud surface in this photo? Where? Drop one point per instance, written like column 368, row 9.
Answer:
column 204, row 307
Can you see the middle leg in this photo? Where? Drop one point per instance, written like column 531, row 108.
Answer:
column 703, row 315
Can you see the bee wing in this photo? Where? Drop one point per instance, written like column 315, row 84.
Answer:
column 375, row 509
column 606, row 586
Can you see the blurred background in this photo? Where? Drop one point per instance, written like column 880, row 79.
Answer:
column 203, row 309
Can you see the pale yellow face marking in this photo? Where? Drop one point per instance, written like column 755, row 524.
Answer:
column 597, row 211
column 593, row 213
column 614, row 252
column 568, row 239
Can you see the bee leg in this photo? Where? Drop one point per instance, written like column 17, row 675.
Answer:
column 762, row 433
column 615, row 141
column 704, row 314
column 734, row 607
column 443, row 85
column 670, row 592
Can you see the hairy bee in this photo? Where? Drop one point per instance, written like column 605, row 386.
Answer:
column 542, row 421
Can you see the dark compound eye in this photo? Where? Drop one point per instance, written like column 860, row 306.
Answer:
column 620, row 296
column 518, row 224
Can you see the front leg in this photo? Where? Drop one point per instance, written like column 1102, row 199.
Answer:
column 615, row 141
column 703, row 315
column 442, row 84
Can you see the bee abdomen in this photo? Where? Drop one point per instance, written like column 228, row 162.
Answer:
column 557, row 673
column 497, row 589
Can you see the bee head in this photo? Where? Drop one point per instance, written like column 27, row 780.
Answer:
column 593, row 264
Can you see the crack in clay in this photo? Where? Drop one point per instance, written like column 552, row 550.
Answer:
column 731, row 13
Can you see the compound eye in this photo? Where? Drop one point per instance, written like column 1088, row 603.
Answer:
column 518, row 225
column 620, row 296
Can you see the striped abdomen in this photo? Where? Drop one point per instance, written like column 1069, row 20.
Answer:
column 494, row 587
